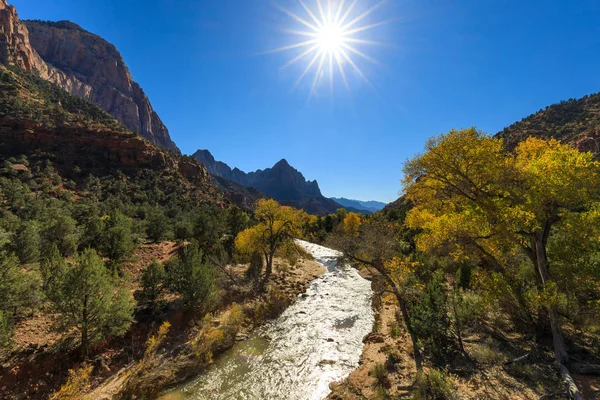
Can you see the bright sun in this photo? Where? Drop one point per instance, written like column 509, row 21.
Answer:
column 331, row 40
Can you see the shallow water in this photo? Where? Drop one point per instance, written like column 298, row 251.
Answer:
column 316, row 341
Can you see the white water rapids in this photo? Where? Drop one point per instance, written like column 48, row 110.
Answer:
column 316, row 341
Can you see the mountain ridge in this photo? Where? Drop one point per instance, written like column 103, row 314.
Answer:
column 82, row 63
column 370, row 206
column 93, row 69
column 573, row 121
column 282, row 182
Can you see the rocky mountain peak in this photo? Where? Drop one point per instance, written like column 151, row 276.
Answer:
column 282, row 182
column 283, row 163
column 83, row 64
column 91, row 68
column 15, row 48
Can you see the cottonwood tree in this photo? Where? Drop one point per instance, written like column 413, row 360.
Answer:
column 88, row 300
column 379, row 245
column 474, row 198
column 277, row 227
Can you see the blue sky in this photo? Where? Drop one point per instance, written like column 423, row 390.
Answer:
column 445, row 64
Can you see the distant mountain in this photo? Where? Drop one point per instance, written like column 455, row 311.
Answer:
column 368, row 206
column 575, row 121
column 282, row 182
column 84, row 65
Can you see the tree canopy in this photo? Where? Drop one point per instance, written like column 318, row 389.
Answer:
column 277, row 226
column 476, row 201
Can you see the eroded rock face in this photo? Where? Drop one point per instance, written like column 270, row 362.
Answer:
column 90, row 67
column 15, row 48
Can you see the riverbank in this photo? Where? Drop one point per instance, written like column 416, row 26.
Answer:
column 387, row 368
column 178, row 360
column 315, row 341
column 42, row 356
column 385, row 341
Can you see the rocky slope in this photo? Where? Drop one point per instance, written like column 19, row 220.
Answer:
column 282, row 182
column 39, row 119
column 576, row 121
column 94, row 70
column 83, row 64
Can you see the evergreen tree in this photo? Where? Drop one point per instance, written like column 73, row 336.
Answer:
column 27, row 242
column 157, row 226
column 153, row 285
column 117, row 242
column 192, row 277
column 88, row 300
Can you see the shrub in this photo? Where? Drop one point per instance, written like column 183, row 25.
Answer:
column 28, row 242
column 486, row 353
column 253, row 273
column 88, row 300
column 434, row 385
column 430, row 319
column 77, row 384
column 6, row 330
column 137, row 383
column 380, row 373
column 157, row 226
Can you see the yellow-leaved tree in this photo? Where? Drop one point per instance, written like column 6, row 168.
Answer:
column 475, row 199
column 352, row 223
column 277, row 227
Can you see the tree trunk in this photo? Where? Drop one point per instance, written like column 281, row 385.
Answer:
column 411, row 332
column 84, row 330
column 458, row 325
column 405, row 316
column 560, row 350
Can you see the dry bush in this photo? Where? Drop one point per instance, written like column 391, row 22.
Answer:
column 77, row 384
column 142, row 381
column 487, row 353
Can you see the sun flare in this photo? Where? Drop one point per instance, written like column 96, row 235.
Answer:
column 329, row 39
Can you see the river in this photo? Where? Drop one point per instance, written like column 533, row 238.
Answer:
column 316, row 341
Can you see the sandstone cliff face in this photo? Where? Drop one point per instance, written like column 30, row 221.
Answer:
column 14, row 42
column 93, row 69
column 83, row 64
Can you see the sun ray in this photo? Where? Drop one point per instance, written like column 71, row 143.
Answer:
column 300, row 57
column 330, row 38
column 318, row 74
column 356, row 68
column 312, row 15
column 347, row 13
column 360, row 53
column 301, row 33
column 363, row 41
column 336, row 20
column 297, row 18
column 294, row 46
column 322, row 12
column 314, row 59
column 367, row 27
column 342, row 72
column 331, row 72
column 363, row 15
